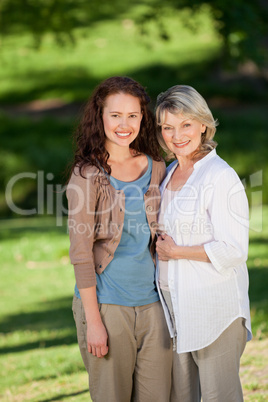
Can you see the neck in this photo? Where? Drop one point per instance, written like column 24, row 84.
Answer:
column 117, row 153
column 185, row 163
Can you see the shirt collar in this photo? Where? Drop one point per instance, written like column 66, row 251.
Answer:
column 197, row 165
column 206, row 158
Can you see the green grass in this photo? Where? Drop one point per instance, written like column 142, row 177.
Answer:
column 40, row 360
column 106, row 48
column 116, row 47
column 39, row 354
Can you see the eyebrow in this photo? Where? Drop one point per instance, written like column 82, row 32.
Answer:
column 171, row 125
column 121, row 112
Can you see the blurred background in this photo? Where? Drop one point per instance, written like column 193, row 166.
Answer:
column 52, row 54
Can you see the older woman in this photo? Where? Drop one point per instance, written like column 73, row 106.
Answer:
column 202, row 252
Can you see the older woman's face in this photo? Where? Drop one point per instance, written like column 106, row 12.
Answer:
column 181, row 134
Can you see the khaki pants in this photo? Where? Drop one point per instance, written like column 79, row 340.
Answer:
column 139, row 362
column 212, row 372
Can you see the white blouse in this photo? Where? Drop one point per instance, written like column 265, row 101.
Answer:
column 167, row 197
column 211, row 210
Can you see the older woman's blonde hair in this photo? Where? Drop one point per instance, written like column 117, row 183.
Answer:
column 183, row 99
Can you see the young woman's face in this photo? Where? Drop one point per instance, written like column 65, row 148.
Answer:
column 181, row 134
column 121, row 119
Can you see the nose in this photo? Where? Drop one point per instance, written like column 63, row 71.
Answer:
column 176, row 133
column 123, row 121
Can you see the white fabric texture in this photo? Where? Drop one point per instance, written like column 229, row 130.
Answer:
column 166, row 198
column 211, row 210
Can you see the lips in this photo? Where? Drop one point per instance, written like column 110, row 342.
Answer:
column 182, row 144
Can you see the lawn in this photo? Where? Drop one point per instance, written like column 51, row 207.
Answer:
column 112, row 47
column 40, row 360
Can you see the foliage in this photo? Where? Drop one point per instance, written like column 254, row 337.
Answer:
column 241, row 24
column 60, row 17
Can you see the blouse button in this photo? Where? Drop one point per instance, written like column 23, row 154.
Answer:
column 148, row 192
column 149, row 208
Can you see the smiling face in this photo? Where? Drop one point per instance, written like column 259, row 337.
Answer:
column 121, row 119
column 181, row 134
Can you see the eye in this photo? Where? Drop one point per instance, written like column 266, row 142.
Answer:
column 166, row 128
column 186, row 125
column 133, row 116
column 114, row 115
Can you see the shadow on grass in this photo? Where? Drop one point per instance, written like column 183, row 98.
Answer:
column 55, row 317
column 58, row 316
column 61, row 396
column 18, row 232
column 72, row 80
column 258, row 284
column 42, row 344
column 203, row 74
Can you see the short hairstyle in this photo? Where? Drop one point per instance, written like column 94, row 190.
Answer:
column 187, row 101
column 90, row 136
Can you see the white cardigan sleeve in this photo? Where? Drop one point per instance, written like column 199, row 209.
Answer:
column 228, row 209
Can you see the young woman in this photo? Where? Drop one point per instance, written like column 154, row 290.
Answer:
column 113, row 198
column 202, row 253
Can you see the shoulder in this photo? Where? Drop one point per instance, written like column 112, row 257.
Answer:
column 219, row 166
column 159, row 170
column 221, row 174
column 88, row 177
column 170, row 166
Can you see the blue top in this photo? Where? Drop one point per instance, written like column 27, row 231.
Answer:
column 129, row 279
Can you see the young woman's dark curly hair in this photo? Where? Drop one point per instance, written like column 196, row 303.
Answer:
column 90, row 136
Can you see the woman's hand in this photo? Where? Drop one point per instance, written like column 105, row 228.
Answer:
column 97, row 339
column 165, row 247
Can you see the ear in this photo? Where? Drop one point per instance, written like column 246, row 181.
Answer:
column 203, row 128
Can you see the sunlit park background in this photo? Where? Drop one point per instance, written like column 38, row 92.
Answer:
column 52, row 54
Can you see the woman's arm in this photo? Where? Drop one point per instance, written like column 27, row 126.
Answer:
column 82, row 196
column 82, row 199
column 168, row 250
column 229, row 216
column 96, row 332
column 228, row 211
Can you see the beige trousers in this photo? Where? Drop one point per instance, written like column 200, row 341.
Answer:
column 212, row 372
column 138, row 365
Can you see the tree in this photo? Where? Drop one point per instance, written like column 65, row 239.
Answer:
column 242, row 24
